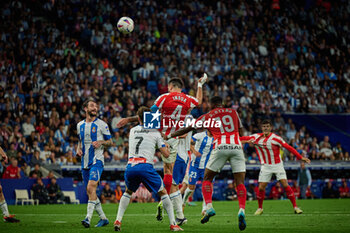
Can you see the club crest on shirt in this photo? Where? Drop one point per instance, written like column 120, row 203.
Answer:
column 93, row 129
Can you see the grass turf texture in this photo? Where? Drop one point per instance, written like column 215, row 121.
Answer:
column 319, row 216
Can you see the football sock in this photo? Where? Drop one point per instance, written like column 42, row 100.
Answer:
column 4, row 208
column 123, row 204
column 177, row 203
column 242, row 195
column 204, row 206
column 207, row 190
column 291, row 197
column 98, row 208
column 187, row 194
column 190, row 198
column 90, row 209
column 260, row 197
column 168, row 206
column 168, row 180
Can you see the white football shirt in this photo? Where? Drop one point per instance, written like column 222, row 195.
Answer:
column 143, row 143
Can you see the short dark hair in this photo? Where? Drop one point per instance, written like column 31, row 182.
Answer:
column 216, row 101
column 87, row 101
column 141, row 111
column 176, row 82
column 265, row 122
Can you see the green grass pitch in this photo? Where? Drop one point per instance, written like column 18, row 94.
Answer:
column 278, row 217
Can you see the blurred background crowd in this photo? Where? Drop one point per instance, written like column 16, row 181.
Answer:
column 265, row 58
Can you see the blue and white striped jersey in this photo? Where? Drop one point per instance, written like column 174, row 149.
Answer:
column 204, row 145
column 89, row 132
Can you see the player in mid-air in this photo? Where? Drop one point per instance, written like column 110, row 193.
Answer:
column 3, row 205
column 174, row 107
column 142, row 146
column 227, row 147
column 267, row 146
column 94, row 136
column 202, row 145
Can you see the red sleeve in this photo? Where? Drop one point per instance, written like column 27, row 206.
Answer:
column 292, row 150
column 246, row 138
column 160, row 100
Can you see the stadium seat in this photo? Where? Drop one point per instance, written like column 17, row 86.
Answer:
column 23, row 197
column 72, row 197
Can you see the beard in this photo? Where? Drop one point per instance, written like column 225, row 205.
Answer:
column 92, row 113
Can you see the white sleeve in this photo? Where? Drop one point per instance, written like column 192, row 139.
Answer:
column 159, row 140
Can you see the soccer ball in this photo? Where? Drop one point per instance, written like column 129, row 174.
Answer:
column 125, row 25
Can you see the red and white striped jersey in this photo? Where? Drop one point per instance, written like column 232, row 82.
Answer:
column 174, row 107
column 267, row 148
column 228, row 133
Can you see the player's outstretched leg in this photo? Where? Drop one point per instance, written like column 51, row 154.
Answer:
column 207, row 190
column 103, row 219
column 123, row 204
column 168, row 206
column 90, row 211
column 291, row 196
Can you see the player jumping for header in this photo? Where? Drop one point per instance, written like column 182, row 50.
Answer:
column 227, row 147
column 174, row 107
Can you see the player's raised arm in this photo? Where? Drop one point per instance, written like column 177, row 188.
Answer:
column 199, row 95
column 247, row 139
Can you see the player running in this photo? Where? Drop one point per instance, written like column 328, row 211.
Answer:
column 94, row 136
column 227, row 147
column 174, row 107
column 142, row 145
column 203, row 145
column 3, row 205
column 267, row 146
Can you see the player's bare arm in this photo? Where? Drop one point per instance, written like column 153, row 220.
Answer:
column 3, row 155
column 125, row 121
column 199, row 94
column 165, row 150
column 179, row 132
column 79, row 151
column 195, row 152
column 105, row 143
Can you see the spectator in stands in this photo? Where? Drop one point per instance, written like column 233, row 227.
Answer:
column 27, row 127
column 50, row 175
column 22, row 163
column 12, row 153
column 107, row 194
column 36, row 173
column 54, row 192
column 142, row 195
column 71, row 160
column 118, row 193
column 276, row 191
column 338, row 151
column 118, row 154
column 344, row 191
column 230, row 192
column 12, row 171
column 40, row 192
column 329, row 191
column 36, row 159
column 253, row 158
column 304, row 179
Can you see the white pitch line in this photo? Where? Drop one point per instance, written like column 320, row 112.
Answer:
column 224, row 214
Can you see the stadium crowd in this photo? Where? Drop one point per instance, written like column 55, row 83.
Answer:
column 262, row 60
